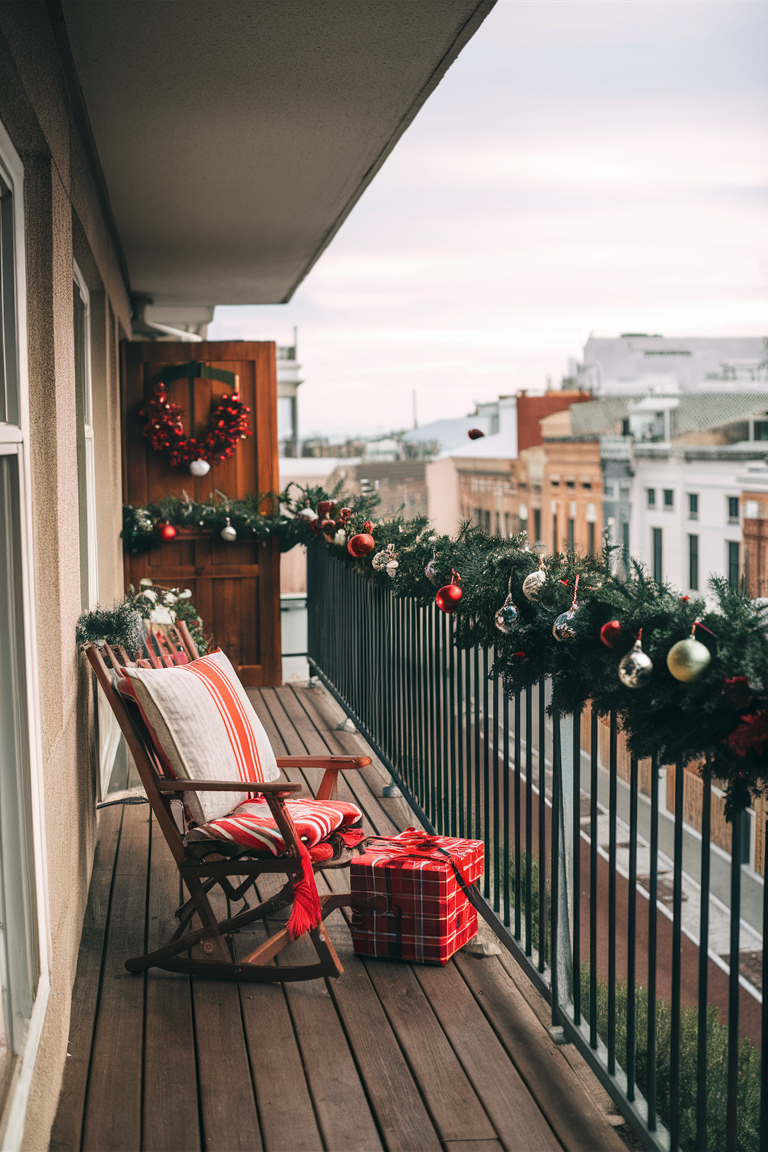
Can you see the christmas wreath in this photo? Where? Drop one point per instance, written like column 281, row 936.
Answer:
column 164, row 430
column 687, row 678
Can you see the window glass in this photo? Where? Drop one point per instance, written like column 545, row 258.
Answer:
column 657, row 556
column 761, row 429
column 693, row 506
column 537, row 523
column 693, row 563
column 733, row 509
column 733, row 564
column 651, row 493
column 669, row 498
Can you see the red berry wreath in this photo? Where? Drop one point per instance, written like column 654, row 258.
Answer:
column 165, row 432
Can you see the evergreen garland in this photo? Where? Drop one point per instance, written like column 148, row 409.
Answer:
column 119, row 626
column 720, row 718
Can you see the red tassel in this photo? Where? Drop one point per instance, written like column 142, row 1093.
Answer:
column 306, row 913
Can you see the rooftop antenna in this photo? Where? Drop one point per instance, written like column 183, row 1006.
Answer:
column 415, row 421
column 295, row 339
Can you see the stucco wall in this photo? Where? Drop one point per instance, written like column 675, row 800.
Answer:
column 62, row 220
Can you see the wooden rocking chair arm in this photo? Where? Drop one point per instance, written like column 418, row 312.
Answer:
column 329, row 763
column 225, row 786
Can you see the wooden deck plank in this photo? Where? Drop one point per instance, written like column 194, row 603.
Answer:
column 402, row 1116
column 170, row 1104
column 473, row 1146
column 577, row 1122
column 452, row 1101
column 68, row 1125
column 227, row 1104
column 514, row 1113
column 113, row 1104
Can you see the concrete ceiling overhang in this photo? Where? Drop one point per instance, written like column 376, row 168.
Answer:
column 235, row 136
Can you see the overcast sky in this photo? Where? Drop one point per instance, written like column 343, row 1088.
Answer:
column 583, row 167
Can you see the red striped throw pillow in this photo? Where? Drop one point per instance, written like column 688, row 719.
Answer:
column 205, row 724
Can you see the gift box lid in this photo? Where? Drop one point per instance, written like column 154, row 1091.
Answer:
column 416, row 851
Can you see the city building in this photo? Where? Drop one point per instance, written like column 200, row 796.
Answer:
column 288, row 381
column 636, row 363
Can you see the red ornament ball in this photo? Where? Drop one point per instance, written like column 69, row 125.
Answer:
column 610, row 633
column 324, row 508
column 448, row 597
column 368, row 526
column 166, row 531
column 475, row 433
column 361, row 545
column 328, row 529
column 345, row 513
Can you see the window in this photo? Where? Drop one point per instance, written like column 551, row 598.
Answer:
column 693, row 506
column 570, row 483
column 555, row 481
column 669, row 498
column 733, row 564
column 554, row 532
column 625, row 545
column 657, row 557
column 587, row 484
column 591, row 537
column 23, row 928
column 537, row 523
column 487, row 521
column 733, row 509
column 761, row 429
column 506, row 524
column 651, row 497
column 571, row 534
column 693, row 563
column 498, row 523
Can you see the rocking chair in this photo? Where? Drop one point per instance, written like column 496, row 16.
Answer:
column 207, row 863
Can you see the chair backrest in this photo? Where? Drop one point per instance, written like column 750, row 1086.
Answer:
column 172, row 641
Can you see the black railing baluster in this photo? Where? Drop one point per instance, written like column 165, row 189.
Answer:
column 731, row 1115
column 505, row 770
column 764, row 1008
column 593, row 785
column 576, row 894
column 612, row 805
column 468, row 815
column 677, row 925
column 430, row 671
column 554, row 869
column 446, row 760
column 542, row 844
column 486, row 822
column 518, row 846
column 453, row 714
column 460, row 744
column 632, row 930
column 653, row 891
column 528, row 820
column 496, row 798
column 701, row 1061
column 476, row 789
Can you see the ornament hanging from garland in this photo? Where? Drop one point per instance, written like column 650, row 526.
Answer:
column 166, row 531
column 507, row 617
column 431, row 571
column 535, row 581
column 164, row 431
column 610, row 633
column 361, row 545
column 636, row 666
column 688, row 658
column 449, row 596
column 563, row 628
column 386, row 560
column 228, row 533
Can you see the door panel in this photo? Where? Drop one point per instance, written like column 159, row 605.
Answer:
column 235, row 587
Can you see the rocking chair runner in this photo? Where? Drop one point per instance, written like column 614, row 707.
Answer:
column 171, row 799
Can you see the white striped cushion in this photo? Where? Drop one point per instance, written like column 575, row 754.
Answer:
column 252, row 825
column 205, row 724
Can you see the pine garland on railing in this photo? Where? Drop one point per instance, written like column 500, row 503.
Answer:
column 688, row 680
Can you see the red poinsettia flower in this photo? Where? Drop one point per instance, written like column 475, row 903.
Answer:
column 751, row 733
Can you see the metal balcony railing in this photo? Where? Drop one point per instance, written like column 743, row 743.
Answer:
column 604, row 896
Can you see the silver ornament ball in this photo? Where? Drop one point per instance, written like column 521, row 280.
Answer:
column 228, row 533
column 687, row 659
column 563, row 629
column 507, row 617
column 533, row 584
column 635, row 667
column 199, row 467
column 431, row 573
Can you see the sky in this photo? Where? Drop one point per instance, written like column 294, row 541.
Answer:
column 584, row 167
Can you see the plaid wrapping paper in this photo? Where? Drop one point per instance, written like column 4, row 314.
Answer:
column 406, row 901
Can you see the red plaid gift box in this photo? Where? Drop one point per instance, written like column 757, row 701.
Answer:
column 406, row 900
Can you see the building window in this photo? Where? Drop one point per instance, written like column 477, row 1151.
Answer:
column 487, row 519
column 657, row 557
column 733, row 564
column 556, row 482
column 570, row 483
column 669, row 498
column 591, row 537
column 498, row 523
column 693, row 505
column 506, row 524
column 651, row 497
column 537, row 524
column 554, row 532
column 625, row 546
column 733, row 509
column 693, row 563
column 587, row 484
column 571, row 534
column 761, row 429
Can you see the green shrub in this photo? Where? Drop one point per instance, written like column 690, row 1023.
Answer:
column 717, row 1064
column 529, row 863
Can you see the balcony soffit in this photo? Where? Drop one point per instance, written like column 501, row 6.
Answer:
column 235, row 138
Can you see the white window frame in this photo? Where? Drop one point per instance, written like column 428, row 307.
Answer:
column 89, row 538
column 14, row 439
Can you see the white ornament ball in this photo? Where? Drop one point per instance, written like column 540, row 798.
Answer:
column 199, row 467
column 635, row 668
column 687, row 659
column 228, row 533
column 340, row 537
column 308, row 514
column 534, row 583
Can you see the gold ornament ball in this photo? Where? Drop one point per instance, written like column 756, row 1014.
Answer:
column 687, row 659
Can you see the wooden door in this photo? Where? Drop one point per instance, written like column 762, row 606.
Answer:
column 235, row 587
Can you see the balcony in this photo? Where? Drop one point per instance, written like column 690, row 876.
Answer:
column 403, row 1057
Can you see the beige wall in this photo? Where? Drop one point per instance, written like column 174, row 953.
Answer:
column 62, row 220
column 443, row 495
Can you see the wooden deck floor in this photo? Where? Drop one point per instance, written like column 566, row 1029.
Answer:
column 390, row 1056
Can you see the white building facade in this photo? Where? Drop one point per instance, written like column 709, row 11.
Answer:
column 685, row 523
